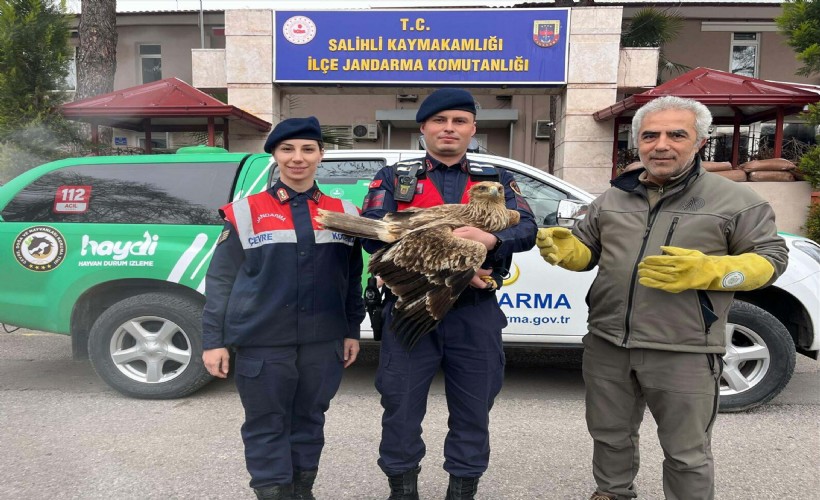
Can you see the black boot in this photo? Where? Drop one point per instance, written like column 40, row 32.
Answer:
column 303, row 484
column 273, row 492
column 404, row 486
column 461, row 488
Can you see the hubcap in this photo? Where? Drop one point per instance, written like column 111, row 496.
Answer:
column 746, row 361
column 150, row 349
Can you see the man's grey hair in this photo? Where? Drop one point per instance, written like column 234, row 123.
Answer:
column 703, row 118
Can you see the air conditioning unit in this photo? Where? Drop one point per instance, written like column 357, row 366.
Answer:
column 543, row 129
column 365, row 131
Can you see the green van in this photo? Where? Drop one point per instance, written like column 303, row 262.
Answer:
column 113, row 251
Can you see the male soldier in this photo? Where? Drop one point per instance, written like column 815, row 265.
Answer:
column 467, row 342
column 672, row 243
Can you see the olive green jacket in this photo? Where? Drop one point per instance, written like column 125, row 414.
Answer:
column 703, row 212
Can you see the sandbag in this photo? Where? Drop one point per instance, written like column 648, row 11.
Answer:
column 770, row 176
column 716, row 166
column 772, row 164
column 733, row 175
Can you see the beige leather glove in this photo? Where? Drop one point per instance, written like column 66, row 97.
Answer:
column 682, row 269
column 558, row 246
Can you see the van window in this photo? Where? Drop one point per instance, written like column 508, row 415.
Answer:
column 543, row 199
column 182, row 193
column 348, row 171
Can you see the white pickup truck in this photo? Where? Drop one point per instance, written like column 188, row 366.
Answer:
column 545, row 305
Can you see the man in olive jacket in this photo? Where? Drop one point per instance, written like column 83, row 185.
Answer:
column 672, row 243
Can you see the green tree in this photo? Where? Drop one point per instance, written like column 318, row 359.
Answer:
column 34, row 57
column 800, row 23
column 650, row 27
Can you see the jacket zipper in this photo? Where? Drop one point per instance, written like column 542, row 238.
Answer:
column 650, row 220
column 671, row 230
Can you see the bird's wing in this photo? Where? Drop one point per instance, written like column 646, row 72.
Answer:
column 413, row 218
column 427, row 271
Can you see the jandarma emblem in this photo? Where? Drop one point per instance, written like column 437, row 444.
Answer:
column 546, row 33
column 40, row 248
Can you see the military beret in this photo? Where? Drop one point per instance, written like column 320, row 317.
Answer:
column 444, row 99
column 294, row 128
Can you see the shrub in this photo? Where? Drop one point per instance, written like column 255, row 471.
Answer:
column 812, row 226
column 809, row 166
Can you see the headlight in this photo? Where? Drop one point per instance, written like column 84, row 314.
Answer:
column 809, row 248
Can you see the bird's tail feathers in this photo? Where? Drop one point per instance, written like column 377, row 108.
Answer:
column 355, row 225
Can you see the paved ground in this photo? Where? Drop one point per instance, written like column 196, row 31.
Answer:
column 65, row 435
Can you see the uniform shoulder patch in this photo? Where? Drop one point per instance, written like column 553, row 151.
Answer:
column 373, row 200
column 375, row 183
column 223, row 236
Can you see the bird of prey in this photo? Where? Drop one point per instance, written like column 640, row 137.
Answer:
column 425, row 266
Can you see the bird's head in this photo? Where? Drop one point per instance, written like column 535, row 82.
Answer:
column 487, row 191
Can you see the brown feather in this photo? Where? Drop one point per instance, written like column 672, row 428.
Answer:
column 424, row 265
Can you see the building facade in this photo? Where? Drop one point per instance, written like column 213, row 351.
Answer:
column 232, row 54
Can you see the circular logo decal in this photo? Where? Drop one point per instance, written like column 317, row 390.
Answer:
column 299, row 30
column 39, row 248
column 733, row 279
column 337, row 192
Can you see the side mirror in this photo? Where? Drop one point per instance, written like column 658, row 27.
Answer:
column 570, row 211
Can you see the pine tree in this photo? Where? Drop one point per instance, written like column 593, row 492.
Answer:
column 34, row 57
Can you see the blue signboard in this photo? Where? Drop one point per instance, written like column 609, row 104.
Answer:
column 120, row 141
column 487, row 46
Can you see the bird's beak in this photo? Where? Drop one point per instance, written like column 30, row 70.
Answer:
column 494, row 190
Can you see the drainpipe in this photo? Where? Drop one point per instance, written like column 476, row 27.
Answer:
column 201, row 27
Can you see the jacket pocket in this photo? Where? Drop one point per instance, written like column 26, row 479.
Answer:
column 249, row 367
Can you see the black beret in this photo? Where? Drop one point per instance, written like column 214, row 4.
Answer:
column 294, row 128
column 444, row 99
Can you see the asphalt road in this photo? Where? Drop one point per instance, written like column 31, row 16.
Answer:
column 65, row 434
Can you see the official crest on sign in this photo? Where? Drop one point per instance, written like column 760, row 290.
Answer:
column 546, row 33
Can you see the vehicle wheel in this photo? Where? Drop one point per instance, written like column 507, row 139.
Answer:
column 150, row 346
column 759, row 359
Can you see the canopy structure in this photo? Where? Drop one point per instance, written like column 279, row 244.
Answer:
column 733, row 100
column 168, row 105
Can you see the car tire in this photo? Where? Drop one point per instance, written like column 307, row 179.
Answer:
column 149, row 346
column 759, row 360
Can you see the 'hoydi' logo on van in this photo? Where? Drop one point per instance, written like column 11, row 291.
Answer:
column 120, row 249
column 39, row 248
